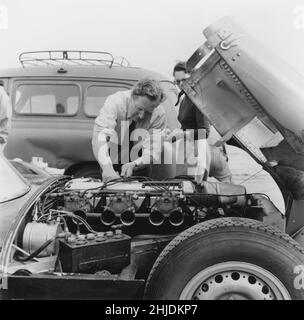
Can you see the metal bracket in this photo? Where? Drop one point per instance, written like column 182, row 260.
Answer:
column 203, row 70
column 226, row 45
column 224, row 33
column 187, row 88
column 198, row 55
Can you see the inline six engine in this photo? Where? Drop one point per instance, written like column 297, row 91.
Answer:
column 89, row 227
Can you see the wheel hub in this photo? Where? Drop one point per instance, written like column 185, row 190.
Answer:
column 234, row 286
column 234, row 281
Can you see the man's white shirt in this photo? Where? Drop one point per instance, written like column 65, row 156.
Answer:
column 112, row 121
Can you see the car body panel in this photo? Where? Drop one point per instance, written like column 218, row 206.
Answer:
column 249, row 94
column 85, row 287
column 11, row 221
column 13, row 185
column 9, row 211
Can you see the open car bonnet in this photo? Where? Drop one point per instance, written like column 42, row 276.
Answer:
column 251, row 95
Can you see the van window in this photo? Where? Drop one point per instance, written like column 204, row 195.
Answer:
column 96, row 97
column 48, row 99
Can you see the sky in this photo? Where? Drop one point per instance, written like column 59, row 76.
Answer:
column 151, row 34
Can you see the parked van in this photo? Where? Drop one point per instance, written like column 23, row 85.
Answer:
column 56, row 96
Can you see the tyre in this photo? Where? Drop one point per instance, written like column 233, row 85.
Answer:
column 227, row 259
column 89, row 171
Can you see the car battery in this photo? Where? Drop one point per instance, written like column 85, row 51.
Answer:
column 91, row 253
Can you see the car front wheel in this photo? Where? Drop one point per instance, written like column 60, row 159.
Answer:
column 228, row 259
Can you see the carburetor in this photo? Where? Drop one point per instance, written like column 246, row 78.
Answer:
column 121, row 205
column 75, row 202
column 166, row 206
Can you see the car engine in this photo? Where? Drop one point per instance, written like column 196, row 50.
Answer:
column 85, row 226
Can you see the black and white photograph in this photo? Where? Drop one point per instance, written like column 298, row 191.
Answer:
column 152, row 151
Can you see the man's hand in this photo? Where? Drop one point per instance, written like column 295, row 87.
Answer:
column 108, row 175
column 127, row 169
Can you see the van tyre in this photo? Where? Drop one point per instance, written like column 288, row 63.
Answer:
column 228, row 259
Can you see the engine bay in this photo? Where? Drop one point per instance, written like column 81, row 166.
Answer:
column 116, row 229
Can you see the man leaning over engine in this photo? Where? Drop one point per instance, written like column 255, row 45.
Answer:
column 138, row 108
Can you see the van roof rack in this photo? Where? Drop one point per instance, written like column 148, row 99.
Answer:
column 121, row 61
column 70, row 58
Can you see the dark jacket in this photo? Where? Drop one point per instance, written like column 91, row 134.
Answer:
column 190, row 117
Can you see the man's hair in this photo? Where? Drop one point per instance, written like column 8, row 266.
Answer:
column 149, row 88
column 180, row 66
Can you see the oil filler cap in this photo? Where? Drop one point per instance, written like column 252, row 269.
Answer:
column 81, row 237
column 118, row 234
column 71, row 239
column 90, row 237
column 110, row 234
column 101, row 239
